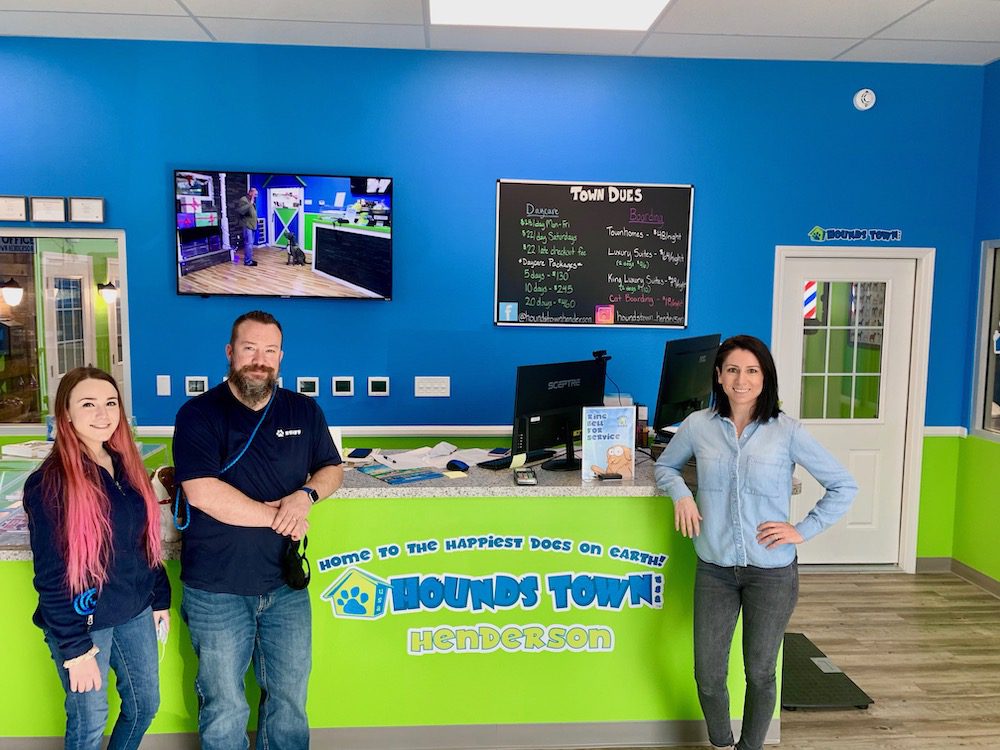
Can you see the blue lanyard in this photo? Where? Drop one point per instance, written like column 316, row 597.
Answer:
column 227, row 467
column 253, row 434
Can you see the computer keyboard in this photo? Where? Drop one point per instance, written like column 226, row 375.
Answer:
column 504, row 462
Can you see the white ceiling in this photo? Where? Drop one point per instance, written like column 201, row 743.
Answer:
column 958, row 32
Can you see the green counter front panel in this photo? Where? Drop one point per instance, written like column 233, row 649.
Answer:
column 363, row 673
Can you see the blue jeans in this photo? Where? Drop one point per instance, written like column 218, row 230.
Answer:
column 248, row 239
column 274, row 630
column 767, row 597
column 130, row 650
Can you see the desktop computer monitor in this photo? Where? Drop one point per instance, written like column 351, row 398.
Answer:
column 548, row 406
column 685, row 380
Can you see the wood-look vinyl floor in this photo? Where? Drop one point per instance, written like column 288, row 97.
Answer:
column 925, row 647
column 271, row 276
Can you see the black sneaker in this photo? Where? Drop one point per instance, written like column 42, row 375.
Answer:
column 250, row 263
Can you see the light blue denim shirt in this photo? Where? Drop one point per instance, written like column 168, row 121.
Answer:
column 744, row 482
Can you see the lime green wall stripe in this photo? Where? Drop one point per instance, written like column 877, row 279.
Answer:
column 976, row 506
column 938, row 480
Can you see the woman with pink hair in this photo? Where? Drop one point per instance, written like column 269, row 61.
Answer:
column 103, row 594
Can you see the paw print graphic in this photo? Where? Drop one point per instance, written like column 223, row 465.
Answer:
column 353, row 601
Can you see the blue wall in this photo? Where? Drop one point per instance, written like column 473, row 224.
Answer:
column 772, row 148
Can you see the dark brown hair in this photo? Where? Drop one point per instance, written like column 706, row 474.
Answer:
column 766, row 407
column 256, row 316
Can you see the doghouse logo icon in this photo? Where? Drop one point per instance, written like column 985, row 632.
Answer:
column 358, row 595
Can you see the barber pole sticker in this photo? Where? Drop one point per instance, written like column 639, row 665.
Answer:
column 809, row 301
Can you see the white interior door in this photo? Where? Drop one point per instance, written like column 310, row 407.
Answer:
column 115, row 342
column 843, row 356
column 68, row 309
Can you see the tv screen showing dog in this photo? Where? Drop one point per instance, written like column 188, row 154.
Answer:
column 270, row 234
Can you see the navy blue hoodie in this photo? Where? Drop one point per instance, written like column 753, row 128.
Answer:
column 131, row 586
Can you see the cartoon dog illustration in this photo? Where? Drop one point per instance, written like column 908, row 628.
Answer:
column 619, row 462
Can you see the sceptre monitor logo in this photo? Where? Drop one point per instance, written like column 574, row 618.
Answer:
column 555, row 385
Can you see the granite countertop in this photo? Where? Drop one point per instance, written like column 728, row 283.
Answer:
column 478, row 483
column 487, row 483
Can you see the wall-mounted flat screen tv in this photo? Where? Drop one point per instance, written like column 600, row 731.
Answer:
column 272, row 234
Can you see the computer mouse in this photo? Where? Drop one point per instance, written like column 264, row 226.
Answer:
column 456, row 465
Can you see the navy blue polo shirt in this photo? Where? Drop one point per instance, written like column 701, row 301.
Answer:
column 292, row 443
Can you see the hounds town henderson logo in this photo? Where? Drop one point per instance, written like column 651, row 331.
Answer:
column 818, row 234
column 358, row 594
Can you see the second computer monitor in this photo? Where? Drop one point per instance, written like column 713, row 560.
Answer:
column 548, row 406
column 686, row 379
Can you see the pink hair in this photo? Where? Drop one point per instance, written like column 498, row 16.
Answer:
column 77, row 490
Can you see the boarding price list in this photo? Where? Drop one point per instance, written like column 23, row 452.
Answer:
column 592, row 254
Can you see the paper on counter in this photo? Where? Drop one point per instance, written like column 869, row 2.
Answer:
column 415, row 459
column 517, row 460
column 442, row 449
column 438, row 457
column 455, row 474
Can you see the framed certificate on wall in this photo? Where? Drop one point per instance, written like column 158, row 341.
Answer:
column 86, row 209
column 48, row 209
column 13, row 208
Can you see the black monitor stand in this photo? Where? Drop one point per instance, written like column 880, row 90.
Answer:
column 570, row 462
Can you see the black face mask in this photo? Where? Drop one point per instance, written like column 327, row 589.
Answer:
column 295, row 565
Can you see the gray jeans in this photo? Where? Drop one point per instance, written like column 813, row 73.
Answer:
column 767, row 597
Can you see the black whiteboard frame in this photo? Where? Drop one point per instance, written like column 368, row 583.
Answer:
column 496, row 257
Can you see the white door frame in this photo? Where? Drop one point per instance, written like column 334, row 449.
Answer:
column 66, row 265
column 116, row 312
column 919, row 358
column 107, row 234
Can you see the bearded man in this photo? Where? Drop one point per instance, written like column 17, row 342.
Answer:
column 252, row 459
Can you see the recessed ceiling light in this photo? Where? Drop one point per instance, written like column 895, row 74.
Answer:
column 623, row 15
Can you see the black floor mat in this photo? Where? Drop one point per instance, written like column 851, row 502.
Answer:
column 810, row 680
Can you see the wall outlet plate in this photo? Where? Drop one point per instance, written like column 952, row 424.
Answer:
column 162, row 385
column 378, row 385
column 432, row 386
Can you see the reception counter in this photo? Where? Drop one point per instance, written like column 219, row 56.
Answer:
column 465, row 612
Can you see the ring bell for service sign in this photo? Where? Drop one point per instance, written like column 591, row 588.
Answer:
column 592, row 254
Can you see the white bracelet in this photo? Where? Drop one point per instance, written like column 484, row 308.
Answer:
column 94, row 651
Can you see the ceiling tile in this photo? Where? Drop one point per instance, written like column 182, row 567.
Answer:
column 932, row 31
column 101, row 26
column 402, row 12
column 316, row 33
column 743, row 47
column 559, row 41
column 130, row 7
column 952, row 20
column 909, row 51
column 823, row 18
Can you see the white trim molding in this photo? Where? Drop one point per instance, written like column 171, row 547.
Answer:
column 946, row 432
column 923, row 288
column 984, row 328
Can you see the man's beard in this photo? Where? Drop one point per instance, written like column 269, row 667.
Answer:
column 253, row 390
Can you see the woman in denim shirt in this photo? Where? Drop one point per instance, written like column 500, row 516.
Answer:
column 746, row 449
